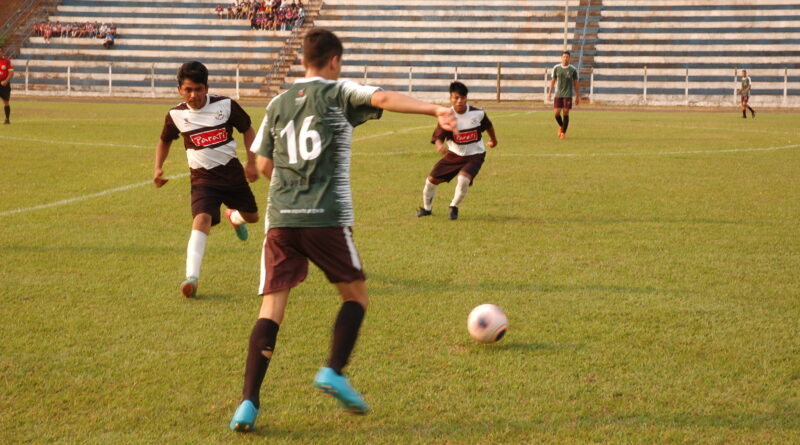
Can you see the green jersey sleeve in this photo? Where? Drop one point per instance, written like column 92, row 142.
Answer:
column 264, row 144
column 356, row 102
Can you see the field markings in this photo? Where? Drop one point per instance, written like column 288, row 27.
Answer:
column 85, row 197
column 651, row 153
column 94, row 144
column 363, row 138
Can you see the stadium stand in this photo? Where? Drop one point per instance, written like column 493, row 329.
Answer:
column 672, row 52
column 153, row 38
column 693, row 49
column 421, row 45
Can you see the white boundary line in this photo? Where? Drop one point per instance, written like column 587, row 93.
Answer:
column 405, row 130
column 94, row 144
column 85, row 197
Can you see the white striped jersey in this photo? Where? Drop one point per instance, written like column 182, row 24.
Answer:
column 470, row 126
column 207, row 132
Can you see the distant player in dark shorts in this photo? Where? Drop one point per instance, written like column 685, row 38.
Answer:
column 206, row 123
column 744, row 91
column 566, row 76
column 308, row 130
column 6, row 74
column 464, row 153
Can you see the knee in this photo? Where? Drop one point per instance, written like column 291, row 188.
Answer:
column 249, row 217
column 202, row 222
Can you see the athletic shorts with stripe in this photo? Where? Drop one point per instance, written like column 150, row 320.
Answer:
column 287, row 251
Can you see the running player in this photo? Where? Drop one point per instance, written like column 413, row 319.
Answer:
column 303, row 145
column 6, row 74
column 744, row 91
column 463, row 154
column 567, row 77
column 206, row 123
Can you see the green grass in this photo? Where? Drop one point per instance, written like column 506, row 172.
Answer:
column 649, row 272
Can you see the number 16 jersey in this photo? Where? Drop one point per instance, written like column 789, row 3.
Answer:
column 307, row 132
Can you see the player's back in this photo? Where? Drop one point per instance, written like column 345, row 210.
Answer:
column 310, row 129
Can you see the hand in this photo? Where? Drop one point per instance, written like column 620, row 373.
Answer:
column 4, row 83
column 250, row 172
column 577, row 100
column 549, row 97
column 158, row 178
column 447, row 119
column 492, row 143
column 442, row 149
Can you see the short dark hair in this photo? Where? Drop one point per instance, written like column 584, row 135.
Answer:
column 194, row 71
column 566, row 52
column 320, row 46
column 458, row 87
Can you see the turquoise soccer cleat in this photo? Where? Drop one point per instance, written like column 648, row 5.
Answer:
column 244, row 419
column 241, row 229
column 333, row 384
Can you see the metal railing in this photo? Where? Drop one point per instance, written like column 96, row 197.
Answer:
column 18, row 18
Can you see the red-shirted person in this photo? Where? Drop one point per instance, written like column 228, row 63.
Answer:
column 206, row 123
column 6, row 74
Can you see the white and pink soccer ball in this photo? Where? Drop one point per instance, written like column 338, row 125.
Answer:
column 487, row 323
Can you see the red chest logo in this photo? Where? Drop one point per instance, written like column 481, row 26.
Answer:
column 466, row 137
column 210, row 137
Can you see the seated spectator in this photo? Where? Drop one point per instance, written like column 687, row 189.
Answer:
column 109, row 41
column 218, row 10
column 301, row 17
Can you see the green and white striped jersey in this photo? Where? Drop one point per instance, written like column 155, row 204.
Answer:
column 307, row 132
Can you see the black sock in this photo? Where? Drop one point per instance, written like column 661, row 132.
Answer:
column 7, row 109
column 566, row 123
column 749, row 108
column 345, row 333
column 744, row 113
column 262, row 340
column 560, row 122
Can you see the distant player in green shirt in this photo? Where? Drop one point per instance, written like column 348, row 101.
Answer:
column 567, row 77
column 303, row 146
column 744, row 91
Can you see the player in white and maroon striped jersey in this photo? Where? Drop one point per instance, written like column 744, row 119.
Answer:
column 206, row 123
column 463, row 152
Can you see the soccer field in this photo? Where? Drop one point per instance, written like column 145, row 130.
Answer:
column 648, row 265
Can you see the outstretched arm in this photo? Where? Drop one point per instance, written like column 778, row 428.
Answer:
column 550, row 90
column 400, row 103
column 162, row 151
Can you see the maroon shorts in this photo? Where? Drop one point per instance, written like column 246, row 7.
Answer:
column 745, row 99
column 206, row 198
column 562, row 102
column 287, row 250
column 452, row 164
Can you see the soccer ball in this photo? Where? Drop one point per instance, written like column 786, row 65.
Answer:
column 487, row 323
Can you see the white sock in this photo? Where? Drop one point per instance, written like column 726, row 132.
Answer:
column 461, row 190
column 237, row 219
column 194, row 253
column 427, row 194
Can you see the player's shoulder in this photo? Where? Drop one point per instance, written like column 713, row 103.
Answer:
column 474, row 109
column 214, row 98
column 179, row 107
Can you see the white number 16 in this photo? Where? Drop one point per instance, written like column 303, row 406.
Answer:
column 305, row 135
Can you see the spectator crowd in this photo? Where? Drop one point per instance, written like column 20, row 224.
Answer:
column 272, row 15
column 105, row 32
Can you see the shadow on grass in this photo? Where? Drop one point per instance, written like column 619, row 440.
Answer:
column 499, row 218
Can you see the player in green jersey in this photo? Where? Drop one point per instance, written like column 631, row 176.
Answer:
column 303, row 146
column 744, row 91
column 567, row 77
